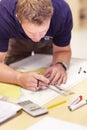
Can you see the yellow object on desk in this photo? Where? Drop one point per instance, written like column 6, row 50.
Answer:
column 57, row 104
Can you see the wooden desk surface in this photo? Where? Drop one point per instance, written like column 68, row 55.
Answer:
column 79, row 116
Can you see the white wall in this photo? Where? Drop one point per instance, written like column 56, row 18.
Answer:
column 79, row 44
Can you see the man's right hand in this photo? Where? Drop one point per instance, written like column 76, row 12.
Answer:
column 32, row 81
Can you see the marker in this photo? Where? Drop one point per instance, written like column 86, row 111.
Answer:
column 76, row 106
column 84, row 71
column 79, row 70
column 56, row 104
column 75, row 101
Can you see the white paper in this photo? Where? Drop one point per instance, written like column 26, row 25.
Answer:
column 7, row 110
column 48, row 123
column 42, row 61
column 33, row 62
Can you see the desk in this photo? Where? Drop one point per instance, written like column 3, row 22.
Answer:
column 79, row 116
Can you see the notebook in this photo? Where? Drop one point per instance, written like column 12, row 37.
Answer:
column 8, row 110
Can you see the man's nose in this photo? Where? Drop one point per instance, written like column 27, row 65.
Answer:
column 37, row 37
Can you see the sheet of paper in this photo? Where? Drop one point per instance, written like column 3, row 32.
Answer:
column 75, row 74
column 7, row 110
column 55, row 124
column 39, row 63
column 33, row 63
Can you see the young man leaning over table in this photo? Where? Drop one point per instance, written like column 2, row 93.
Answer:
column 42, row 26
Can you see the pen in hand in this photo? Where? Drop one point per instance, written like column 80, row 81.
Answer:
column 37, row 83
column 42, row 81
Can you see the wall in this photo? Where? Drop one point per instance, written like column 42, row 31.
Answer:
column 79, row 32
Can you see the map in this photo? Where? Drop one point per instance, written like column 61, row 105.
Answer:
column 11, row 91
column 39, row 63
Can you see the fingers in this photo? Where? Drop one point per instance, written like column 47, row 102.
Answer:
column 59, row 78
column 35, row 82
column 42, row 78
column 56, row 75
column 33, row 86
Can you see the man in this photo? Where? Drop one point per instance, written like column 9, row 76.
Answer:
column 24, row 26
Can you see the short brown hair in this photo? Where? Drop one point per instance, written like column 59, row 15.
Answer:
column 35, row 11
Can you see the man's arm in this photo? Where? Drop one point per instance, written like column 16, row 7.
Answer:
column 57, row 71
column 28, row 80
column 2, row 56
column 61, row 54
column 7, row 74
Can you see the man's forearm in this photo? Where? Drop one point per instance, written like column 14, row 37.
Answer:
column 63, row 60
column 2, row 56
column 62, row 57
column 62, row 54
column 7, row 74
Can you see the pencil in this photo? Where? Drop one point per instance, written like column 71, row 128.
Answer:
column 37, row 83
column 56, row 104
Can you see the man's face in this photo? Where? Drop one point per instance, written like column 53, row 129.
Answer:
column 35, row 32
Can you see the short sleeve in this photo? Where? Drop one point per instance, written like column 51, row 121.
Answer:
column 63, row 37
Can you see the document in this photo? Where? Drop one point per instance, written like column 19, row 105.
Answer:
column 76, row 72
column 55, row 124
column 38, row 63
column 33, row 63
column 8, row 110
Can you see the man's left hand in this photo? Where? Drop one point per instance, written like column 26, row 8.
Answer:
column 56, row 74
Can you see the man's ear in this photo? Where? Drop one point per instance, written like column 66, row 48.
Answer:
column 18, row 19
